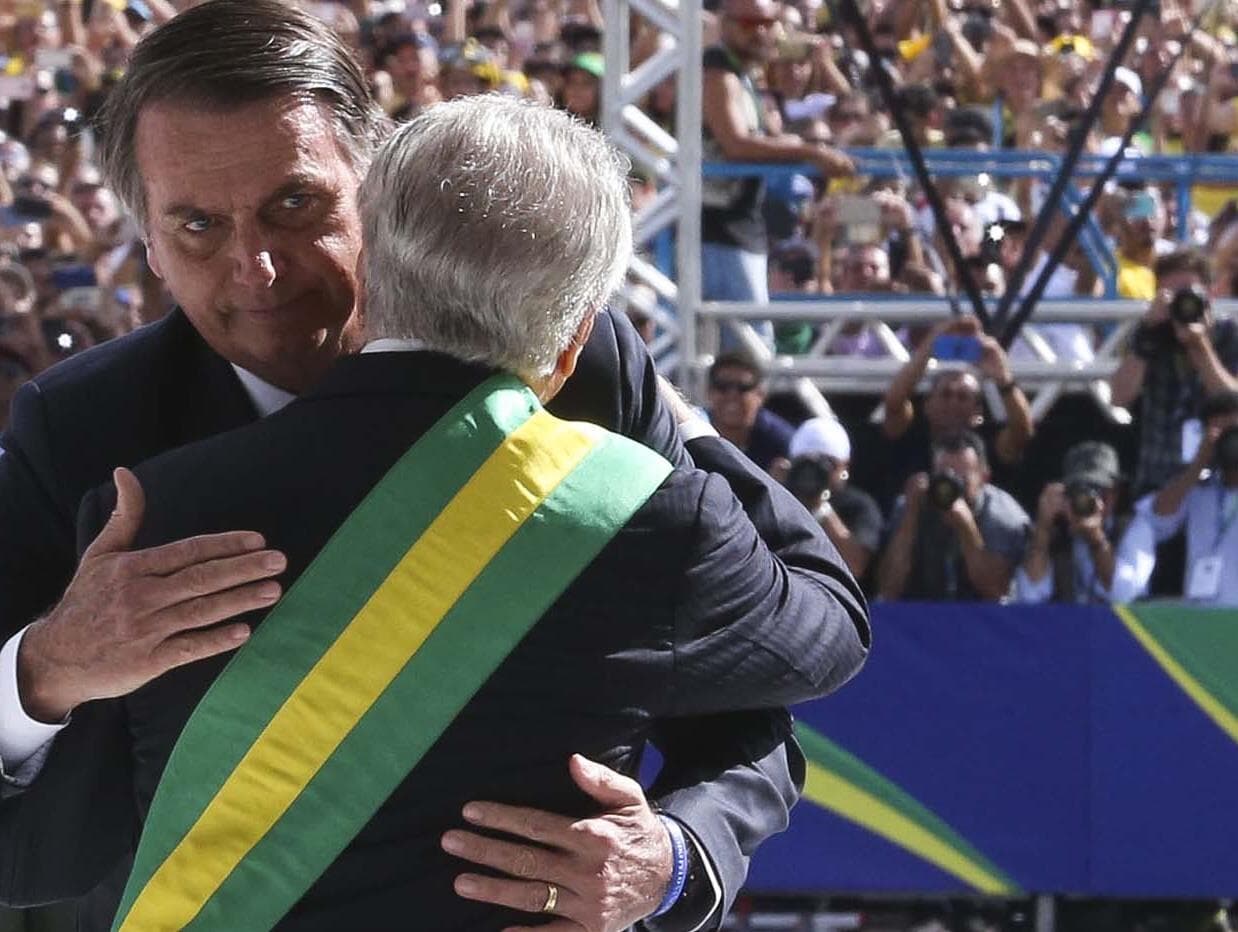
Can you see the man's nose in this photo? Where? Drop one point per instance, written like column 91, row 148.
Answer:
column 255, row 263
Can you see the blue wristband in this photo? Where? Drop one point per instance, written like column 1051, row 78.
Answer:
column 679, row 866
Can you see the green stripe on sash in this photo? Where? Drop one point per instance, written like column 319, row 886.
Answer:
column 486, row 468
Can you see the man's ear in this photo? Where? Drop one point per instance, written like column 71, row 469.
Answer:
column 565, row 365
column 152, row 258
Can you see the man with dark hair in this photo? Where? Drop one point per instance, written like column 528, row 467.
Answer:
column 954, row 401
column 737, row 390
column 238, row 138
column 1178, row 355
column 955, row 536
column 923, row 109
column 1203, row 499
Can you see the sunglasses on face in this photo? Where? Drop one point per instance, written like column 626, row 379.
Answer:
column 726, row 386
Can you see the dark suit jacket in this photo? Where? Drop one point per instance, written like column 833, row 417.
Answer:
column 685, row 613
column 730, row 778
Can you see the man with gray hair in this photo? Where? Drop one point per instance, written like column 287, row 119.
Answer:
column 461, row 613
column 237, row 137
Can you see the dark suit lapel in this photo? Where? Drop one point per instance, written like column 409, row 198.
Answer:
column 201, row 395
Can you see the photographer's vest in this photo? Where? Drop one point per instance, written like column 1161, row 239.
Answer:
column 412, row 604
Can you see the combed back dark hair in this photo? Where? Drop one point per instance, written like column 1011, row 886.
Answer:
column 963, row 440
column 1218, row 405
column 1187, row 259
column 737, row 360
column 223, row 55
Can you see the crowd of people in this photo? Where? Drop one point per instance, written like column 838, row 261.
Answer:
column 1092, row 527
column 964, row 501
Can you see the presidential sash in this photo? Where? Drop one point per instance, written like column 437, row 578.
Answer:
column 417, row 598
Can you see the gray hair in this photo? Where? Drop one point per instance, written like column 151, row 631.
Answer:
column 492, row 229
column 223, row 55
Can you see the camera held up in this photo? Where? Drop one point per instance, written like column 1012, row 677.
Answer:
column 1188, row 306
column 945, row 488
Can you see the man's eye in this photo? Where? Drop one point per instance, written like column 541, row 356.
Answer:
column 197, row 225
column 295, row 201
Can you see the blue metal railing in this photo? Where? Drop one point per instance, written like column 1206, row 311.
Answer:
column 1183, row 171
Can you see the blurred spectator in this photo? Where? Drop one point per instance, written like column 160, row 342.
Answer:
column 411, row 59
column 582, row 86
column 1082, row 549
column 15, row 371
column 953, row 402
column 734, row 243
column 820, row 467
column 1139, row 242
column 922, row 107
column 954, row 536
column 1121, row 105
column 737, row 392
column 1177, row 356
column 1204, row 498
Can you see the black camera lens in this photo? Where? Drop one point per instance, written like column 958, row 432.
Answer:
column 945, row 488
column 1189, row 305
column 1083, row 499
column 808, row 477
column 1227, row 450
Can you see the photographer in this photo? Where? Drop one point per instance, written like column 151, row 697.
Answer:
column 956, row 537
column 1178, row 356
column 1082, row 550
column 1204, row 498
column 954, row 401
column 820, row 463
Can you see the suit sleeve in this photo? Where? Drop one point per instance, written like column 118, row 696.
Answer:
column 766, row 616
column 67, row 831
column 37, row 556
column 732, row 778
column 615, row 386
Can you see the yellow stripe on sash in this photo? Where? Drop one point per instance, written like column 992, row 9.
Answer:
column 354, row 671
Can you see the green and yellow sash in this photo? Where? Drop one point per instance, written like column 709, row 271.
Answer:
column 413, row 603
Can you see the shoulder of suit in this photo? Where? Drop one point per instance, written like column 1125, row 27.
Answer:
column 123, row 364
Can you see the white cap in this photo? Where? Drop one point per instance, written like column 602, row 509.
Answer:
column 1123, row 75
column 823, row 436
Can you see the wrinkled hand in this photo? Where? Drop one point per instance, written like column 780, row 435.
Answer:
column 130, row 616
column 611, row 870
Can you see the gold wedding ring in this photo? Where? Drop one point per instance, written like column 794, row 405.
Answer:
column 552, row 898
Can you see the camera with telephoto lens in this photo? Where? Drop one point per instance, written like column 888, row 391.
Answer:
column 1187, row 306
column 1083, row 499
column 1227, row 450
column 809, row 477
column 945, row 488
